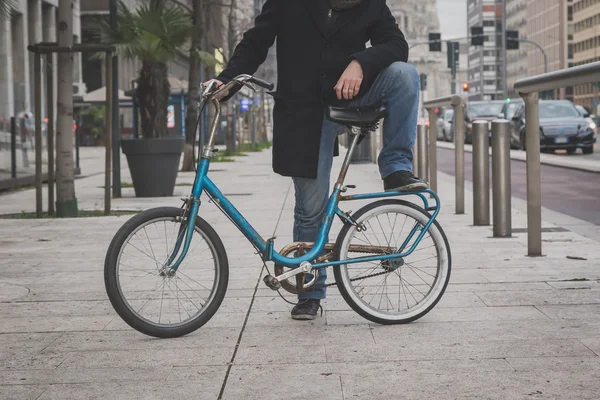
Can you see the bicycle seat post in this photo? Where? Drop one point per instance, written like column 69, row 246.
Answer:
column 355, row 132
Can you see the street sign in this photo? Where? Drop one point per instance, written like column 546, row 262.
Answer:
column 245, row 104
column 171, row 116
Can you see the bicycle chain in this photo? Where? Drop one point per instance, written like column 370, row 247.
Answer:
column 360, row 278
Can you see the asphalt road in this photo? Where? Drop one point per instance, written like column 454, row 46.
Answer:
column 568, row 191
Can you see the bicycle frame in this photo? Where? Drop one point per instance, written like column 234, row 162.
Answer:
column 266, row 247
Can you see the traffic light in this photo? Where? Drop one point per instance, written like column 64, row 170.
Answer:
column 465, row 87
column 423, row 81
column 477, row 36
column 512, row 40
column 435, row 42
column 453, row 53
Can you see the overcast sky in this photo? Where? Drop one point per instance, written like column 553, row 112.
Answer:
column 453, row 17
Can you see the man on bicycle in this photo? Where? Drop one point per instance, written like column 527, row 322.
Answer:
column 322, row 60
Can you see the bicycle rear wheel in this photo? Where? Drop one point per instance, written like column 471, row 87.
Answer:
column 159, row 304
column 400, row 290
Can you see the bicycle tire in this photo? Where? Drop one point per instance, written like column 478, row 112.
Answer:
column 341, row 277
column 111, row 280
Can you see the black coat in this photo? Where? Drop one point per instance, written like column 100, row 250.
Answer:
column 311, row 56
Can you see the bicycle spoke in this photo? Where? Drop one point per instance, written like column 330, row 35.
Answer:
column 393, row 290
column 163, row 302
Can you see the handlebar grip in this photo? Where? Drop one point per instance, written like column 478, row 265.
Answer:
column 260, row 82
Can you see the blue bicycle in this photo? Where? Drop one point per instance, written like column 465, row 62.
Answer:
column 166, row 269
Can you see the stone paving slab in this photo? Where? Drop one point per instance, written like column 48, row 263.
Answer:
column 509, row 326
column 203, row 388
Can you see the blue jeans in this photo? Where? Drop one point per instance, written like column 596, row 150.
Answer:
column 397, row 87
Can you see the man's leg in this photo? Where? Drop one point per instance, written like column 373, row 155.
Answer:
column 311, row 201
column 397, row 87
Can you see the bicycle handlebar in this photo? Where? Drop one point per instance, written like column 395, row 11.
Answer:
column 262, row 83
column 239, row 80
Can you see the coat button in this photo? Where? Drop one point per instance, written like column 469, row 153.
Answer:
column 324, row 75
column 327, row 45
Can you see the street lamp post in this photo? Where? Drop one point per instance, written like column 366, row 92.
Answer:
column 541, row 49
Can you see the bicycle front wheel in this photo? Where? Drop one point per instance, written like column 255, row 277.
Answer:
column 399, row 290
column 151, row 301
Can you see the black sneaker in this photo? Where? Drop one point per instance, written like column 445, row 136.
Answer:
column 403, row 181
column 306, row 309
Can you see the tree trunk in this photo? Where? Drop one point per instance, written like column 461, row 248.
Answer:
column 231, row 43
column 66, row 202
column 153, row 96
column 191, row 116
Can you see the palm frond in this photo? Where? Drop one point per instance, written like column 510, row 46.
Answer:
column 153, row 31
column 205, row 58
column 6, row 8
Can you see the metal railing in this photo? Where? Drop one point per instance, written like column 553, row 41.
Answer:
column 459, row 139
column 528, row 89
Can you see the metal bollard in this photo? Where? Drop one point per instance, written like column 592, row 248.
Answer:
column 422, row 152
column 432, row 152
column 415, row 160
column 459, row 154
column 481, row 174
column 534, row 185
column 501, row 178
column 13, row 147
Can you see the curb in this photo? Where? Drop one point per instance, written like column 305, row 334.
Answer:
column 546, row 159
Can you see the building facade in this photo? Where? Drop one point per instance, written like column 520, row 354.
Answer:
column 547, row 25
column 32, row 21
column 516, row 60
column 416, row 19
column 586, row 47
column 485, row 62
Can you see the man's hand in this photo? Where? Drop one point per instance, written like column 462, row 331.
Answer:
column 216, row 85
column 349, row 83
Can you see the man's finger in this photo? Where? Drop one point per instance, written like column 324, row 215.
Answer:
column 338, row 89
column 347, row 90
column 356, row 88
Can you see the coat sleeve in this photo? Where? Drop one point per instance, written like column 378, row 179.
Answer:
column 252, row 50
column 388, row 45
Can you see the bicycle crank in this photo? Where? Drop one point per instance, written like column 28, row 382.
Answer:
column 274, row 282
column 299, row 285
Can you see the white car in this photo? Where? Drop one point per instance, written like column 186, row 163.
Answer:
column 444, row 126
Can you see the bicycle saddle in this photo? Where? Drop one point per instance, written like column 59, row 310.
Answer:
column 355, row 116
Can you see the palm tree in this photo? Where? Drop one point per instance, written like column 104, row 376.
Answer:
column 155, row 33
column 6, row 8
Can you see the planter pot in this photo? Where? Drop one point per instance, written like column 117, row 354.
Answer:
column 153, row 164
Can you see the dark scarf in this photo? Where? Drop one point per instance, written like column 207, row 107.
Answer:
column 344, row 4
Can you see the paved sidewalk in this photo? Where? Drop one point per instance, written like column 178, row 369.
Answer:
column 508, row 327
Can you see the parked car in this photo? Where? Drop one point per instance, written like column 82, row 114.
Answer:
column 510, row 108
column 590, row 118
column 444, row 125
column 562, row 127
column 482, row 110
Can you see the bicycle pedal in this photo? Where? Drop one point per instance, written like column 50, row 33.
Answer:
column 272, row 282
